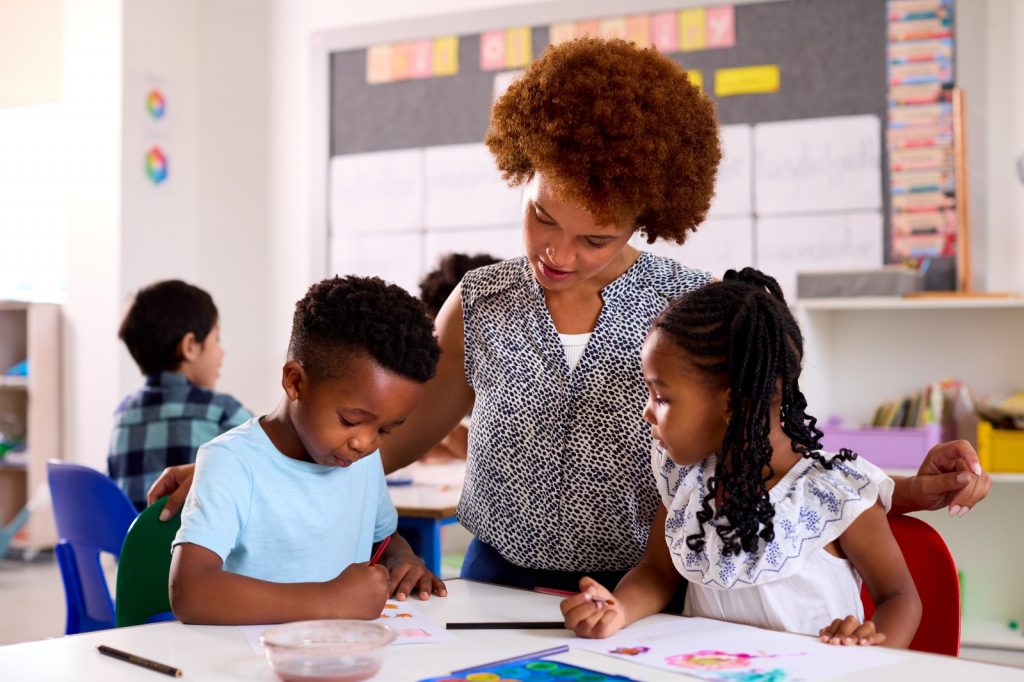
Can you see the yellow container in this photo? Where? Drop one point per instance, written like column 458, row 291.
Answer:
column 1000, row 449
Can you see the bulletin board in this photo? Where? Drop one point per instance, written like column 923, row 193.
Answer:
column 402, row 175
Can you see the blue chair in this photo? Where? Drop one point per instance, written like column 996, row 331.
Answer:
column 93, row 516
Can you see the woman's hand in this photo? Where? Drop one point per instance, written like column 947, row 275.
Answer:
column 593, row 613
column 851, row 632
column 175, row 481
column 950, row 476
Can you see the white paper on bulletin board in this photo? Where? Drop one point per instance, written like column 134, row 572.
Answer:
column 718, row 245
column 377, row 191
column 463, row 188
column 734, row 194
column 395, row 258
column 502, row 243
column 822, row 164
column 818, row 243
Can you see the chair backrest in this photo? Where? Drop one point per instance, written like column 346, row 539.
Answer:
column 938, row 585
column 144, row 568
column 92, row 516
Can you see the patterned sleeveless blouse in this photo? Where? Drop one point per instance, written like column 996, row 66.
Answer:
column 559, row 475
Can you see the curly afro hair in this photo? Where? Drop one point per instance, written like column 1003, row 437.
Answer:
column 619, row 130
column 342, row 315
column 439, row 284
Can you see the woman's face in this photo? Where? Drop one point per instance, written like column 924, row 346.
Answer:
column 564, row 243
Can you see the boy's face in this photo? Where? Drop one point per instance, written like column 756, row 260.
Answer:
column 205, row 368
column 687, row 417
column 340, row 421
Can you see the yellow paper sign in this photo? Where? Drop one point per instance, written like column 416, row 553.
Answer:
column 692, row 25
column 518, row 47
column 696, row 78
column 446, row 56
column 401, row 61
column 747, row 80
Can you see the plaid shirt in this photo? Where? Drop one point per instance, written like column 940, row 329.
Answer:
column 162, row 425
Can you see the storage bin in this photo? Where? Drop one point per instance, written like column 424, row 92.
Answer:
column 1000, row 449
column 889, row 448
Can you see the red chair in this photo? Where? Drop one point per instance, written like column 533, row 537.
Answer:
column 938, row 585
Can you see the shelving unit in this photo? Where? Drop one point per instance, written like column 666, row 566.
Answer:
column 32, row 331
column 907, row 343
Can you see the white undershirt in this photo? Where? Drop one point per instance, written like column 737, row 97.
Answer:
column 574, row 345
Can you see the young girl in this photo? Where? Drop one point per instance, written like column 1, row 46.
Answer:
column 767, row 529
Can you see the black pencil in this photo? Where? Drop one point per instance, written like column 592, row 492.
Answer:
column 139, row 661
column 509, row 625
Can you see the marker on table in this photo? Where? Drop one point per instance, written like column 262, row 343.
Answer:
column 380, row 550
column 508, row 625
column 515, row 659
column 139, row 661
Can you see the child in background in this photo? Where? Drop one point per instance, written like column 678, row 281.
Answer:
column 768, row 530
column 435, row 288
column 172, row 332
column 284, row 509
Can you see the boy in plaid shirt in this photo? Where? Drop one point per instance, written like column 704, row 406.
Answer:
column 172, row 333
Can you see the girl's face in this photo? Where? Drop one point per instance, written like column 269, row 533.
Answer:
column 564, row 243
column 687, row 416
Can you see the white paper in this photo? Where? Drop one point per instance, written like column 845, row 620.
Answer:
column 718, row 245
column 395, row 258
column 714, row 650
column 734, row 193
column 823, row 164
column 502, row 243
column 376, row 191
column 501, row 82
column 411, row 624
column 464, row 189
column 818, row 243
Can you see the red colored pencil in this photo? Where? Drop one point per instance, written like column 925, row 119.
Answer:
column 380, row 550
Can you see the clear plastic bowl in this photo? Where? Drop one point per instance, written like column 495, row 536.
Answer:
column 326, row 650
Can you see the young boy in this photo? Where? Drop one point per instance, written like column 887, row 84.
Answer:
column 172, row 333
column 284, row 509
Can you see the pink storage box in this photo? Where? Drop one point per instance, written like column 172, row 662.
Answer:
column 889, row 448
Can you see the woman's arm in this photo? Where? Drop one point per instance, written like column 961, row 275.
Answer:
column 869, row 544
column 647, row 589
column 202, row 592
column 446, row 398
column 950, row 476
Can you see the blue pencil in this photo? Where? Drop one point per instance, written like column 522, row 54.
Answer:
column 515, row 659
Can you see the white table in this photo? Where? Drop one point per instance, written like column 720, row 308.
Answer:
column 220, row 653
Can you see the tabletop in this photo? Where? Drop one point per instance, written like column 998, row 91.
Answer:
column 428, row 490
column 221, row 654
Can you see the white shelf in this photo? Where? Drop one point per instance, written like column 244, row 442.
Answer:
column 16, row 383
column 913, row 303
column 991, row 635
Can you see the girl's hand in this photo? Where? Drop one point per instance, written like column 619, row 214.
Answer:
column 849, row 632
column 593, row 613
column 410, row 575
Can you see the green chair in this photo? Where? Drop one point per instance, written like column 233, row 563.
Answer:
column 144, row 567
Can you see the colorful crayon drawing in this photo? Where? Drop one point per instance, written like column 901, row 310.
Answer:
column 413, row 632
column 630, row 650
column 710, row 660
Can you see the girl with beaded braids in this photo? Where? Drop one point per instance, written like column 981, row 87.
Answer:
column 767, row 529
column 607, row 140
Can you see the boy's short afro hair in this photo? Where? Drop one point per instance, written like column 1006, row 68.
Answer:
column 362, row 314
column 438, row 284
column 619, row 130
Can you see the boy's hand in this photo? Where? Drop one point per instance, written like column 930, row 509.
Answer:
column 849, row 631
column 409, row 575
column 359, row 592
column 593, row 613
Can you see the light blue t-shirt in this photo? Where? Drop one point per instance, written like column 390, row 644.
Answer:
column 272, row 517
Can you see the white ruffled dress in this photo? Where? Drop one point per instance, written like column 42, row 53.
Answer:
column 792, row 583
